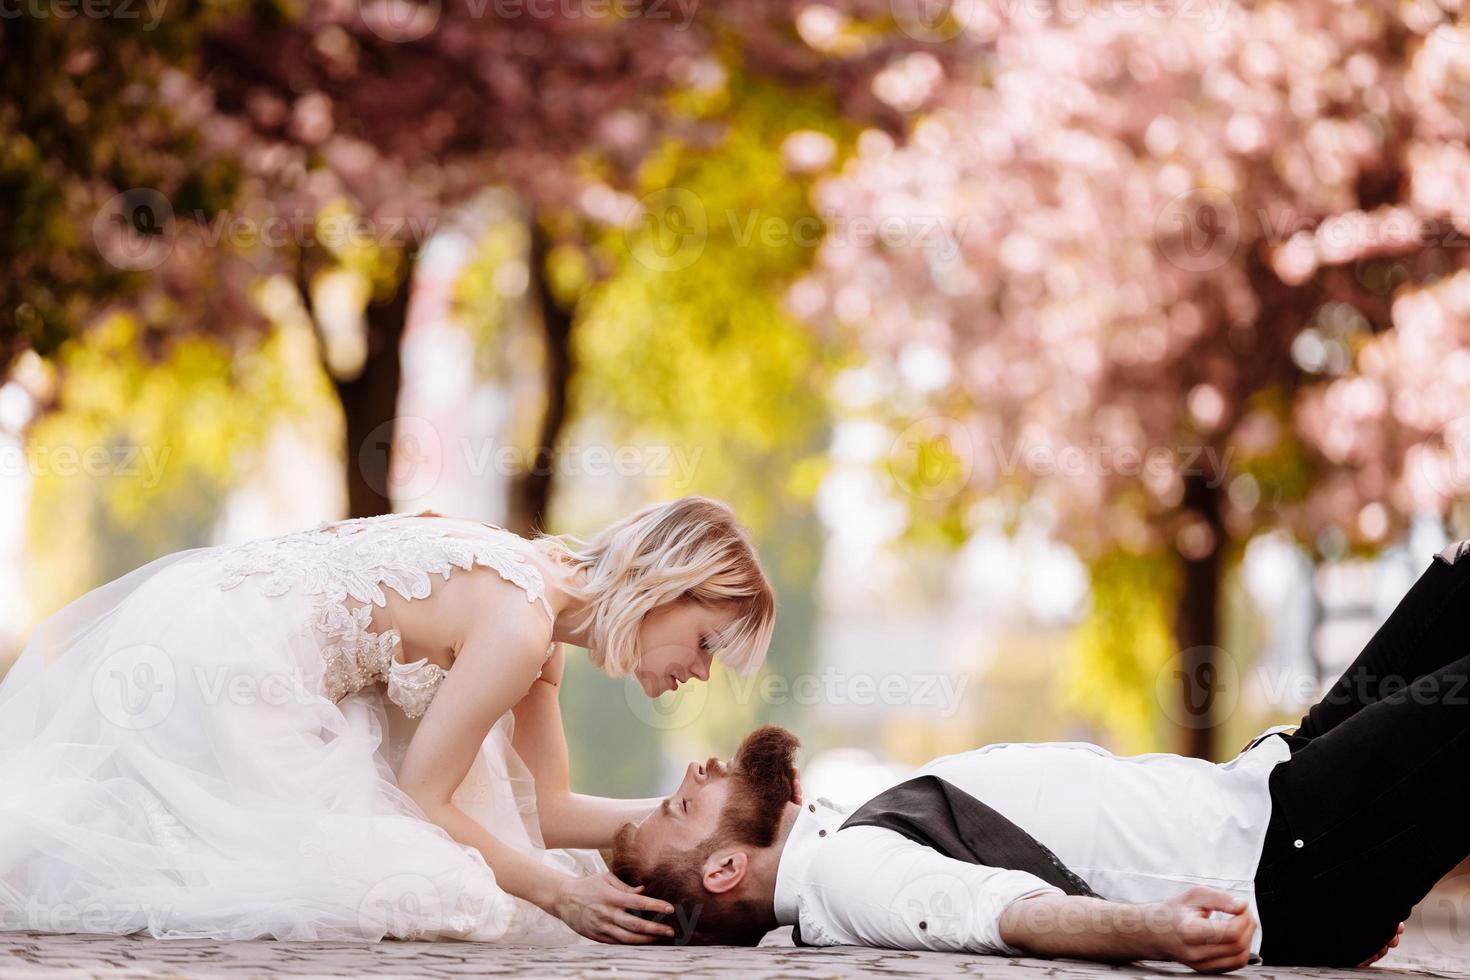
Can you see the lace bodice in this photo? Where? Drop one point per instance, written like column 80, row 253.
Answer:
column 356, row 559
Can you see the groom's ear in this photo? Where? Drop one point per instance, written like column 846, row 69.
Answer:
column 724, row 870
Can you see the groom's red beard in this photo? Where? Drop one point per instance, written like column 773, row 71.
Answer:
column 763, row 781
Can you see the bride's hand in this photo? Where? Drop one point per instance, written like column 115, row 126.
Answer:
column 598, row 906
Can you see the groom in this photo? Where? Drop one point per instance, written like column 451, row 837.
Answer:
column 1308, row 848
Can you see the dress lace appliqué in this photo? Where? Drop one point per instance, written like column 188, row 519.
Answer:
column 356, row 559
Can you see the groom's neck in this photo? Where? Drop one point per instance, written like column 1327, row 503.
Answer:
column 766, row 862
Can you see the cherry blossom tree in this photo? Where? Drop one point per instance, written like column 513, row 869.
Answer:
column 96, row 108
column 1204, row 279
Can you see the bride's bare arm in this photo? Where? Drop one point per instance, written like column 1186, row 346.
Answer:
column 567, row 819
column 490, row 674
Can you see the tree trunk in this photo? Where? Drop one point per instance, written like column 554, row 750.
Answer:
column 369, row 400
column 1197, row 623
column 530, row 492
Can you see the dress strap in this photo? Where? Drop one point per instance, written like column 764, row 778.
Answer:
column 513, row 566
column 509, row 562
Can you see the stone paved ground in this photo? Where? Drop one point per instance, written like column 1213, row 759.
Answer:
column 1436, row 945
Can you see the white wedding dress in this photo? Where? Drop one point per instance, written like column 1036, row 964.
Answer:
column 207, row 747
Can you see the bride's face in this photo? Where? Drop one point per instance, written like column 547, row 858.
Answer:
column 676, row 643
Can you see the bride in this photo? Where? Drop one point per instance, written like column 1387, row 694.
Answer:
column 352, row 731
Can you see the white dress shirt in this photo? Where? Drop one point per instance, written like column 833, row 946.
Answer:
column 1136, row 828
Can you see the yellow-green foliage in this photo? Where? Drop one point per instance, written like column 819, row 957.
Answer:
column 139, row 453
column 701, row 356
column 700, row 352
column 480, row 299
column 1121, row 647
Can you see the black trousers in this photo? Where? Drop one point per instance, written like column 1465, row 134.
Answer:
column 1373, row 807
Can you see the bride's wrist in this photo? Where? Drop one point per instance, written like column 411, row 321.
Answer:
column 550, row 890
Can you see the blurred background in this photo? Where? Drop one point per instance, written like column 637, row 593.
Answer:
column 1085, row 369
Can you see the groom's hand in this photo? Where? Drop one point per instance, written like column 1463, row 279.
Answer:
column 1190, row 932
column 1384, row 951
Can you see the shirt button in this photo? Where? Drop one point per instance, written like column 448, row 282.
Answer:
column 1297, row 843
column 923, row 924
column 821, row 833
column 812, row 807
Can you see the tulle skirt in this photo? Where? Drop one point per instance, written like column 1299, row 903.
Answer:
column 168, row 765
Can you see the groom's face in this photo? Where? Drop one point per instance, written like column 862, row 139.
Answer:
column 673, row 853
column 741, row 802
column 690, row 814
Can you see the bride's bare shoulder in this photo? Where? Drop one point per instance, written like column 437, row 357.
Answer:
column 482, row 600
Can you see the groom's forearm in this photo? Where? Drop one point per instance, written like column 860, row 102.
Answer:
column 575, row 820
column 1077, row 927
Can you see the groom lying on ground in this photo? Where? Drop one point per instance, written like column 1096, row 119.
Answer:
column 1309, row 848
column 926, row 865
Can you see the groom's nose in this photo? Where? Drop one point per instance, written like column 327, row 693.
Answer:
column 703, row 772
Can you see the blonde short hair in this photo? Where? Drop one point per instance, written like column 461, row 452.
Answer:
column 690, row 548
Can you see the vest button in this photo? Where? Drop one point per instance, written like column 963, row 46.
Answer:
column 923, row 924
column 821, row 833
